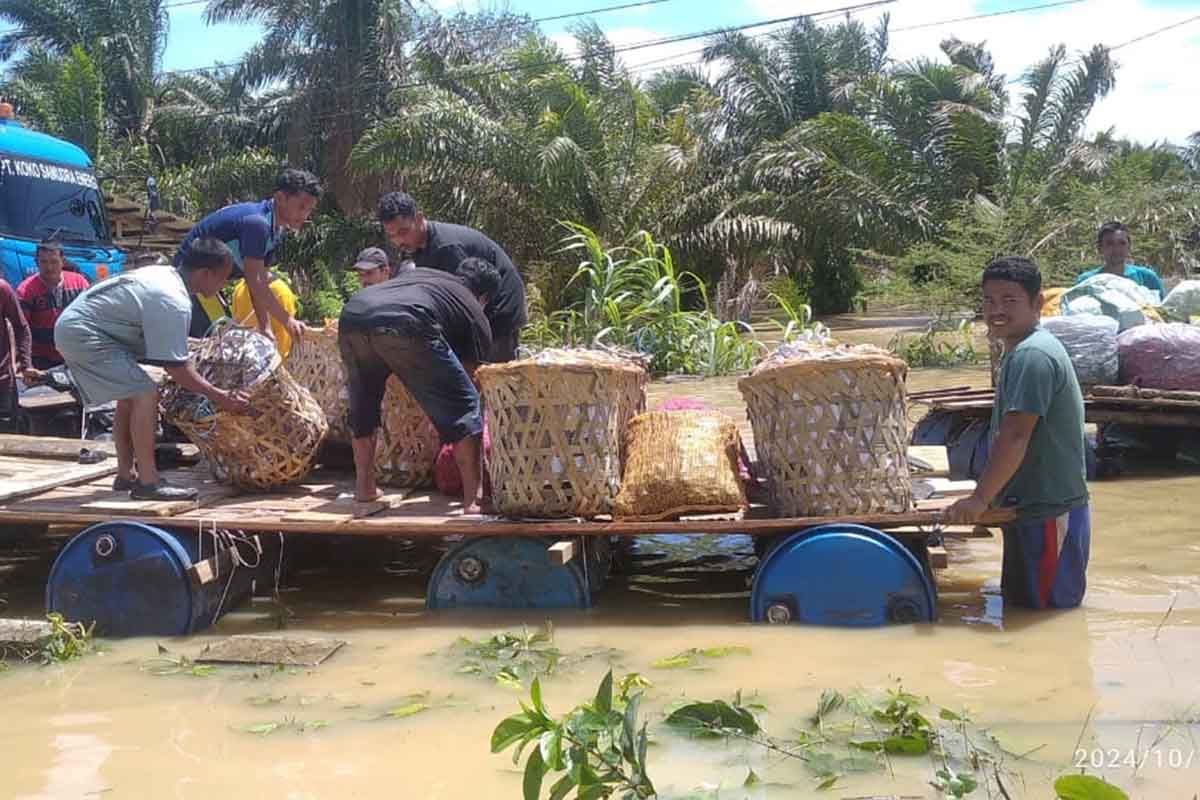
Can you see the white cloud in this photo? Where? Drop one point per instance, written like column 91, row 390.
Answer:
column 1156, row 94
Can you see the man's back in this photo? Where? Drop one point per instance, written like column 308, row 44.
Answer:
column 448, row 244
column 428, row 297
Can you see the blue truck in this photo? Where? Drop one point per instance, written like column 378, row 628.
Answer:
column 48, row 188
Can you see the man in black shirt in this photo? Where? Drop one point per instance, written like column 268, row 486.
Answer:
column 444, row 246
column 428, row 329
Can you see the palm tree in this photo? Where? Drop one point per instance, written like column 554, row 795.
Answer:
column 123, row 38
column 339, row 60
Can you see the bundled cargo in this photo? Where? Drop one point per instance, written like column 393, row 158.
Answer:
column 1161, row 356
column 680, row 462
column 406, row 444
column 274, row 449
column 316, row 364
column 830, row 426
column 1183, row 302
column 556, row 421
column 1091, row 342
column 1110, row 296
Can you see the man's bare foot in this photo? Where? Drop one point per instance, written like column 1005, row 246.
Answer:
column 367, row 497
column 472, row 509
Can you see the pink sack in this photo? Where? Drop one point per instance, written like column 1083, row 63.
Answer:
column 445, row 470
column 1161, row 356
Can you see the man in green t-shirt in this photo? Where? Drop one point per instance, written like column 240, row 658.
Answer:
column 1113, row 243
column 1036, row 464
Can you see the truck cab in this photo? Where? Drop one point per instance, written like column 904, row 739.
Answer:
column 48, row 189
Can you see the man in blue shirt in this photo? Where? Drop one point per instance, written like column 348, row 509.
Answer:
column 1113, row 243
column 1036, row 464
column 252, row 231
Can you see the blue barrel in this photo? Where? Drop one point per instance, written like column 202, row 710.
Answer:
column 507, row 572
column 841, row 574
column 133, row 579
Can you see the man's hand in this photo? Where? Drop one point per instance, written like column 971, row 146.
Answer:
column 296, row 329
column 31, row 376
column 234, row 403
column 967, row 510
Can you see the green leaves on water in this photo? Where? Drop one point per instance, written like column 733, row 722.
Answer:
column 714, row 718
column 407, row 710
column 286, row 724
column 167, row 663
column 1086, row 787
column 692, row 656
column 512, row 659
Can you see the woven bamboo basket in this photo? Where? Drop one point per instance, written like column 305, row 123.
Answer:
column 830, row 429
column 406, row 448
column 274, row 449
column 316, row 364
column 557, row 421
column 680, row 462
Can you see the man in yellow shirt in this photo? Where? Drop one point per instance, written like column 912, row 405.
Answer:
column 243, row 311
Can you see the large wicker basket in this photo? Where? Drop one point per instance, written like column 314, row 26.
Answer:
column 407, row 445
column 274, row 449
column 316, row 364
column 557, row 421
column 831, row 431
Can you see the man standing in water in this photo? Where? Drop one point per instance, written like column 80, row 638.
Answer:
column 1113, row 243
column 1036, row 464
column 252, row 231
column 443, row 246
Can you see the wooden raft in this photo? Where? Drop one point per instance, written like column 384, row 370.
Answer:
column 1130, row 405
column 321, row 506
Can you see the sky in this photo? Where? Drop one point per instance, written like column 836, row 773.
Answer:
column 1157, row 95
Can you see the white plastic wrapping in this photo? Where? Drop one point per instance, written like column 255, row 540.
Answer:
column 1183, row 302
column 1161, row 356
column 1111, row 296
column 1091, row 342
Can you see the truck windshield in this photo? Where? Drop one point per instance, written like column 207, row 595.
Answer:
column 40, row 199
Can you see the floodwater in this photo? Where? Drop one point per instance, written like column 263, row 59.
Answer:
column 1111, row 687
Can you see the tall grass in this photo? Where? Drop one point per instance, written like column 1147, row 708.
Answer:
column 634, row 296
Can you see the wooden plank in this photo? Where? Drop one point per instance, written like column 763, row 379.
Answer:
column 1146, row 402
column 1152, row 418
column 562, row 552
column 290, row 651
column 121, row 504
column 938, row 557
column 37, row 479
column 12, row 444
column 47, row 402
column 933, row 455
column 21, row 632
column 1139, row 392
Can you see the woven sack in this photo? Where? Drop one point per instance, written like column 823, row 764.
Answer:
column 830, row 427
column 557, row 421
column 274, row 449
column 1091, row 343
column 316, row 363
column 1161, row 356
column 407, row 444
column 680, row 462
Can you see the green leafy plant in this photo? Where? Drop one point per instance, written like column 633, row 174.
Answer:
column 1086, row 787
column 511, row 658
column 693, row 655
column 66, row 641
column 935, row 348
column 597, row 747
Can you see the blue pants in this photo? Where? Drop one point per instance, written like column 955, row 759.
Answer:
column 1045, row 560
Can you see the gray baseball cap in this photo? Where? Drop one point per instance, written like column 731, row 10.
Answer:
column 371, row 258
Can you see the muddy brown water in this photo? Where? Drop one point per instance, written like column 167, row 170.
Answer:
column 1112, row 681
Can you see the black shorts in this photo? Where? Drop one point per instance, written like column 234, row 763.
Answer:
column 418, row 355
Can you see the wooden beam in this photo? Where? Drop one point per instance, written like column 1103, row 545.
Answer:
column 938, row 557
column 561, row 552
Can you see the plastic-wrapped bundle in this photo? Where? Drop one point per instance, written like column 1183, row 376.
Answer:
column 1161, row 356
column 1111, row 296
column 1091, row 342
column 1183, row 302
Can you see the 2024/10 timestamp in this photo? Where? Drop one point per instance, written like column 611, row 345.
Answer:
column 1148, row 757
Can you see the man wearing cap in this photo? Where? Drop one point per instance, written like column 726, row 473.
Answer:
column 372, row 266
column 252, row 231
column 443, row 246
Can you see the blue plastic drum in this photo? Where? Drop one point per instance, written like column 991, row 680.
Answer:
column 841, row 574
column 133, row 579
column 506, row 572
